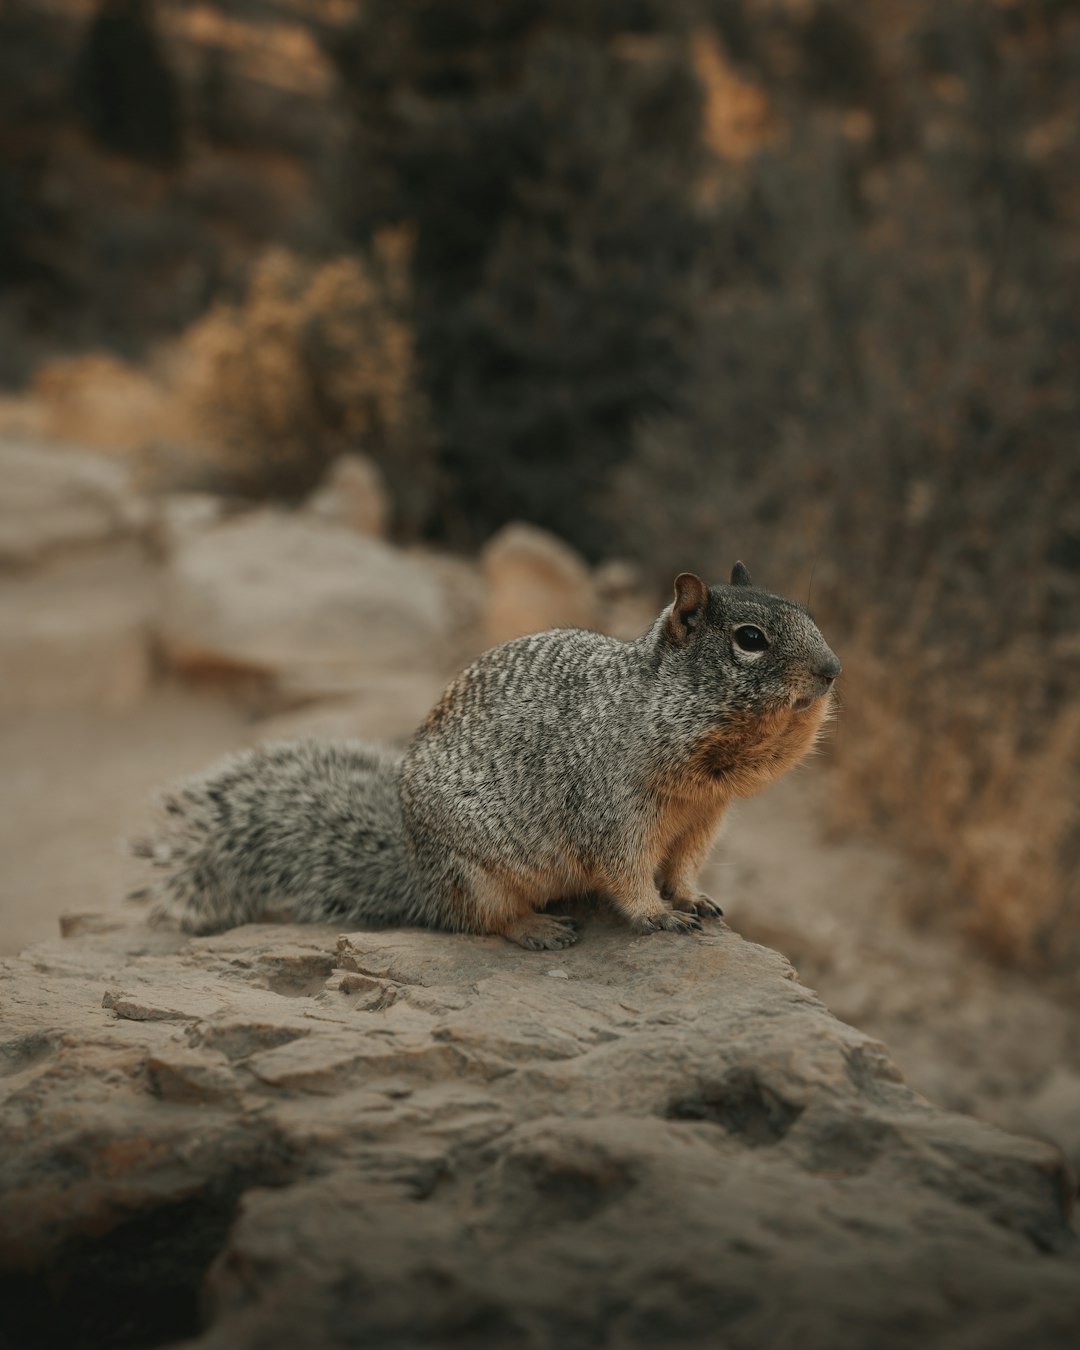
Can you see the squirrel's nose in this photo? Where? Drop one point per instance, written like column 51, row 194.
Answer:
column 829, row 669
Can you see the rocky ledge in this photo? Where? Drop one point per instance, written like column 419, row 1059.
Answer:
column 284, row 1137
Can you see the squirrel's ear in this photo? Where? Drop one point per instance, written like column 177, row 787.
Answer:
column 740, row 576
column 688, row 611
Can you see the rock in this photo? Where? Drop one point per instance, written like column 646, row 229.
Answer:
column 387, row 707
column 352, row 494
column 72, row 924
column 535, row 581
column 1054, row 1112
column 617, row 579
column 312, row 608
column 418, row 1139
column 466, row 592
column 76, row 632
column 179, row 515
column 55, row 499
column 626, row 606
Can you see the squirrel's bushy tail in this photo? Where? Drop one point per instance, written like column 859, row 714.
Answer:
column 308, row 831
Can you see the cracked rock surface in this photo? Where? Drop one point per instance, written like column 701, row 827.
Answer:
column 284, row 1137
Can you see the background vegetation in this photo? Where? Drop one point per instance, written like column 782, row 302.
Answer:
column 680, row 281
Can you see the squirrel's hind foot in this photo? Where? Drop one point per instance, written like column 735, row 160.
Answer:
column 543, row 932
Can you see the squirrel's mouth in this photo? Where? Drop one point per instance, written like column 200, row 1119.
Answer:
column 800, row 702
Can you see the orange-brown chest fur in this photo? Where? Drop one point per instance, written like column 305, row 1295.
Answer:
column 734, row 760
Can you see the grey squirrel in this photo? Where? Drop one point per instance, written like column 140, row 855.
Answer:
column 558, row 764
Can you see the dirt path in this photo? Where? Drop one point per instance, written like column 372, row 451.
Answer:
column 73, row 783
column 967, row 1035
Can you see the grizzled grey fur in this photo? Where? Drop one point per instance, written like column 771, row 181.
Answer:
column 556, row 765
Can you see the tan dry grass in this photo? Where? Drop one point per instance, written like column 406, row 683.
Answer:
column 950, row 770
column 258, row 396
column 316, row 360
column 737, row 119
column 100, row 401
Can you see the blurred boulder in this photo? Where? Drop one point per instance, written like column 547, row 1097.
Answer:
column 385, row 707
column 56, row 499
column 617, row 579
column 627, row 607
column 310, row 608
column 177, row 516
column 1054, row 1112
column 535, row 581
column 352, row 493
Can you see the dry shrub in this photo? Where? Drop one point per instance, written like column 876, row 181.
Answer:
column 959, row 733
column 887, row 400
column 100, row 401
column 736, row 116
column 316, row 360
column 957, row 765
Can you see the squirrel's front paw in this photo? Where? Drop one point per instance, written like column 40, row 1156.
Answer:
column 671, row 921
column 704, row 906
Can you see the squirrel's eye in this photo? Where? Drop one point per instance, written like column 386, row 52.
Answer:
column 751, row 639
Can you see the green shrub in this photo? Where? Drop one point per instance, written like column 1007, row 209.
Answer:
column 546, row 155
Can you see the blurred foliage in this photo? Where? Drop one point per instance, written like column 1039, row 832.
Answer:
column 545, row 153
column 124, row 89
column 108, row 235
column 887, row 387
column 314, row 361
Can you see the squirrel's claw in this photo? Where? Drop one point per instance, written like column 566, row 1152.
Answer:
column 704, row 906
column 671, row 921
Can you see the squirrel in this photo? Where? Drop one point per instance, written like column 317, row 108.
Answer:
column 557, row 765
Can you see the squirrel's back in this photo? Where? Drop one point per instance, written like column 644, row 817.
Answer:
column 534, row 734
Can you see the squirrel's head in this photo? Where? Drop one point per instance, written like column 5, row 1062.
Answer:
column 760, row 651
